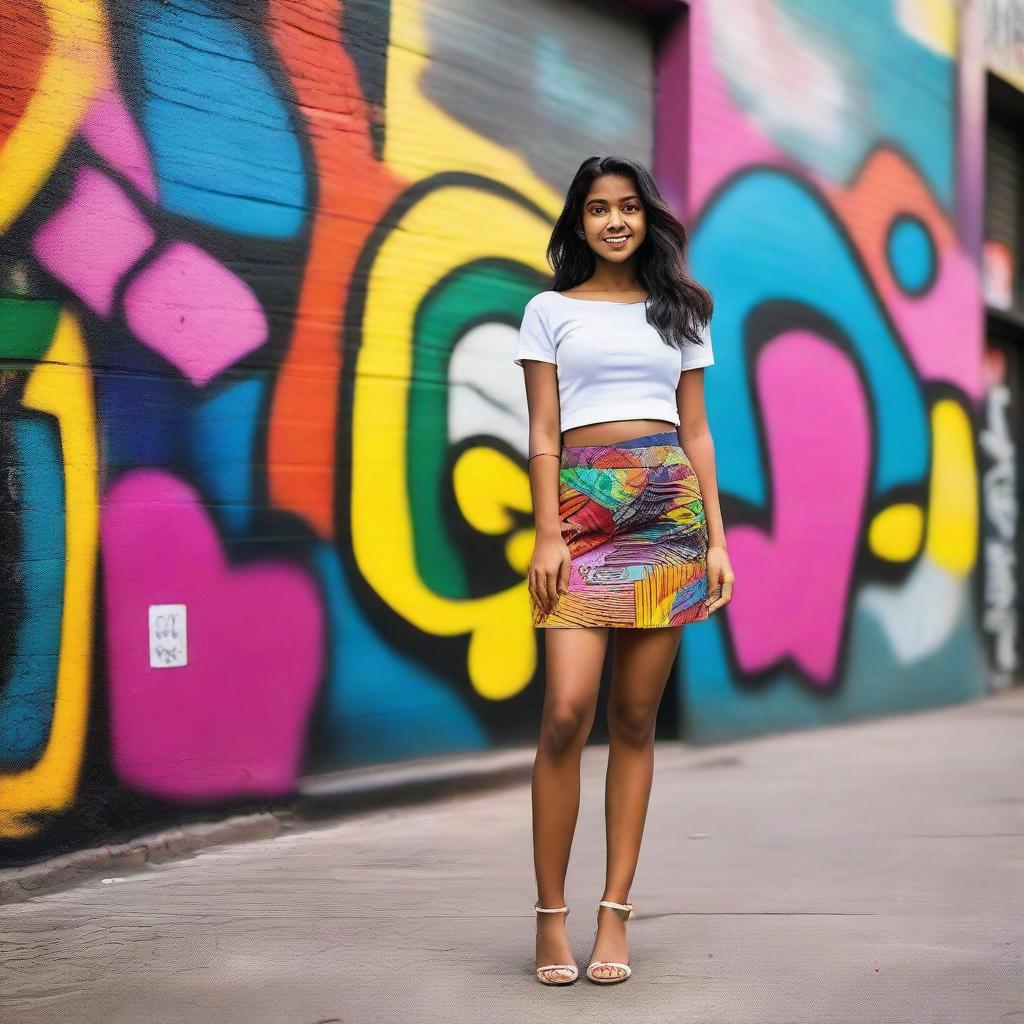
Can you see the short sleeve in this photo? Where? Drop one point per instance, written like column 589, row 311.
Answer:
column 535, row 341
column 692, row 356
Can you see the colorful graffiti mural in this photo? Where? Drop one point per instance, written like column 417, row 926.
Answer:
column 843, row 406
column 261, row 271
column 253, row 353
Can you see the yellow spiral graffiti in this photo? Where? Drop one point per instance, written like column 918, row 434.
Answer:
column 61, row 385
column 502, row 647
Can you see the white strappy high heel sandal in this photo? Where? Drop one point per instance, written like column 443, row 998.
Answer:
column 624, row 969
column 568, row 968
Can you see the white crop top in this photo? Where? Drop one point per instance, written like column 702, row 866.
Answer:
column 611, row 363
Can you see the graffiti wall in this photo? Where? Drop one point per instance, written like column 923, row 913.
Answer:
column 265, row 508
column 998, row 442
column 825, row 152
column 265, row 502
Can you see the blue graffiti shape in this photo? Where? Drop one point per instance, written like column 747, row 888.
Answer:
column 883, row 84
column 768, row 239
column 910, row 250
column 27, row 698
column 222, row 450
column 381, row 705
column 223, row 141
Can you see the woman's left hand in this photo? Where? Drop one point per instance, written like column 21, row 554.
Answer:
column 720, row 578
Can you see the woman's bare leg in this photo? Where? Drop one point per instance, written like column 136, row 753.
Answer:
column 641, row 661
column 573, row 662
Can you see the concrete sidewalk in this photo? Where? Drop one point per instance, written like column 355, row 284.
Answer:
column 870, row 872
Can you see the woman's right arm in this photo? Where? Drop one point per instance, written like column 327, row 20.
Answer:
column 551, row 562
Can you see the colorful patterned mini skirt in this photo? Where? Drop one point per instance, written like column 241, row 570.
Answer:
column 632, row 516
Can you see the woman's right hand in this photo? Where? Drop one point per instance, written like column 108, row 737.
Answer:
column 549, row 572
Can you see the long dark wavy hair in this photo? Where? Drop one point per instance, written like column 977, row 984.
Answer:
column 678, row 307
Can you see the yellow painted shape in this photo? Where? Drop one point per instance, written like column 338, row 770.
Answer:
column 72, row 72
column 931, row 22
column 465, row 225
column 423, row 139
column 953, row 513
column 519, row 549
column 61, row 385
column 487, row 483
column 895, row 533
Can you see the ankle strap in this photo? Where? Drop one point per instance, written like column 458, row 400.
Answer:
column 550, row 910
column 617, row 906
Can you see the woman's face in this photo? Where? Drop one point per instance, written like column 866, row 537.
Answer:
column 614, row 218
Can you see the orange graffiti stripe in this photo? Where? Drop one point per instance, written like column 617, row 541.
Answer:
column 353, row 191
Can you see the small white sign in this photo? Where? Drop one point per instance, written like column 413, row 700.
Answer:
column 168, row 647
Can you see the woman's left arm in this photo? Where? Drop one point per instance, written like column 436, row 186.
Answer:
column 695, row 438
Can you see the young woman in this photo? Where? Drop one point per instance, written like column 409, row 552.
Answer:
column 629, row 530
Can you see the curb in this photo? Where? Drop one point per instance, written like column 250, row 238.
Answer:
column 318, row 797
column 335, row 795
column 70, row 869
column 414, row 781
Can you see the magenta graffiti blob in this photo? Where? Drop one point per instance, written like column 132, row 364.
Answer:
column 196, row 313
column 799, row 574
column 91, row 242
column 222, row 725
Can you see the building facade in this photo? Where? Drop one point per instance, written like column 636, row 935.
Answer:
column 265, row 505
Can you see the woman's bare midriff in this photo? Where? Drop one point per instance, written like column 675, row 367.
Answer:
column 613, row 431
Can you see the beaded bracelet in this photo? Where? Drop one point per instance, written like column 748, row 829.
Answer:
column 535, row 454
